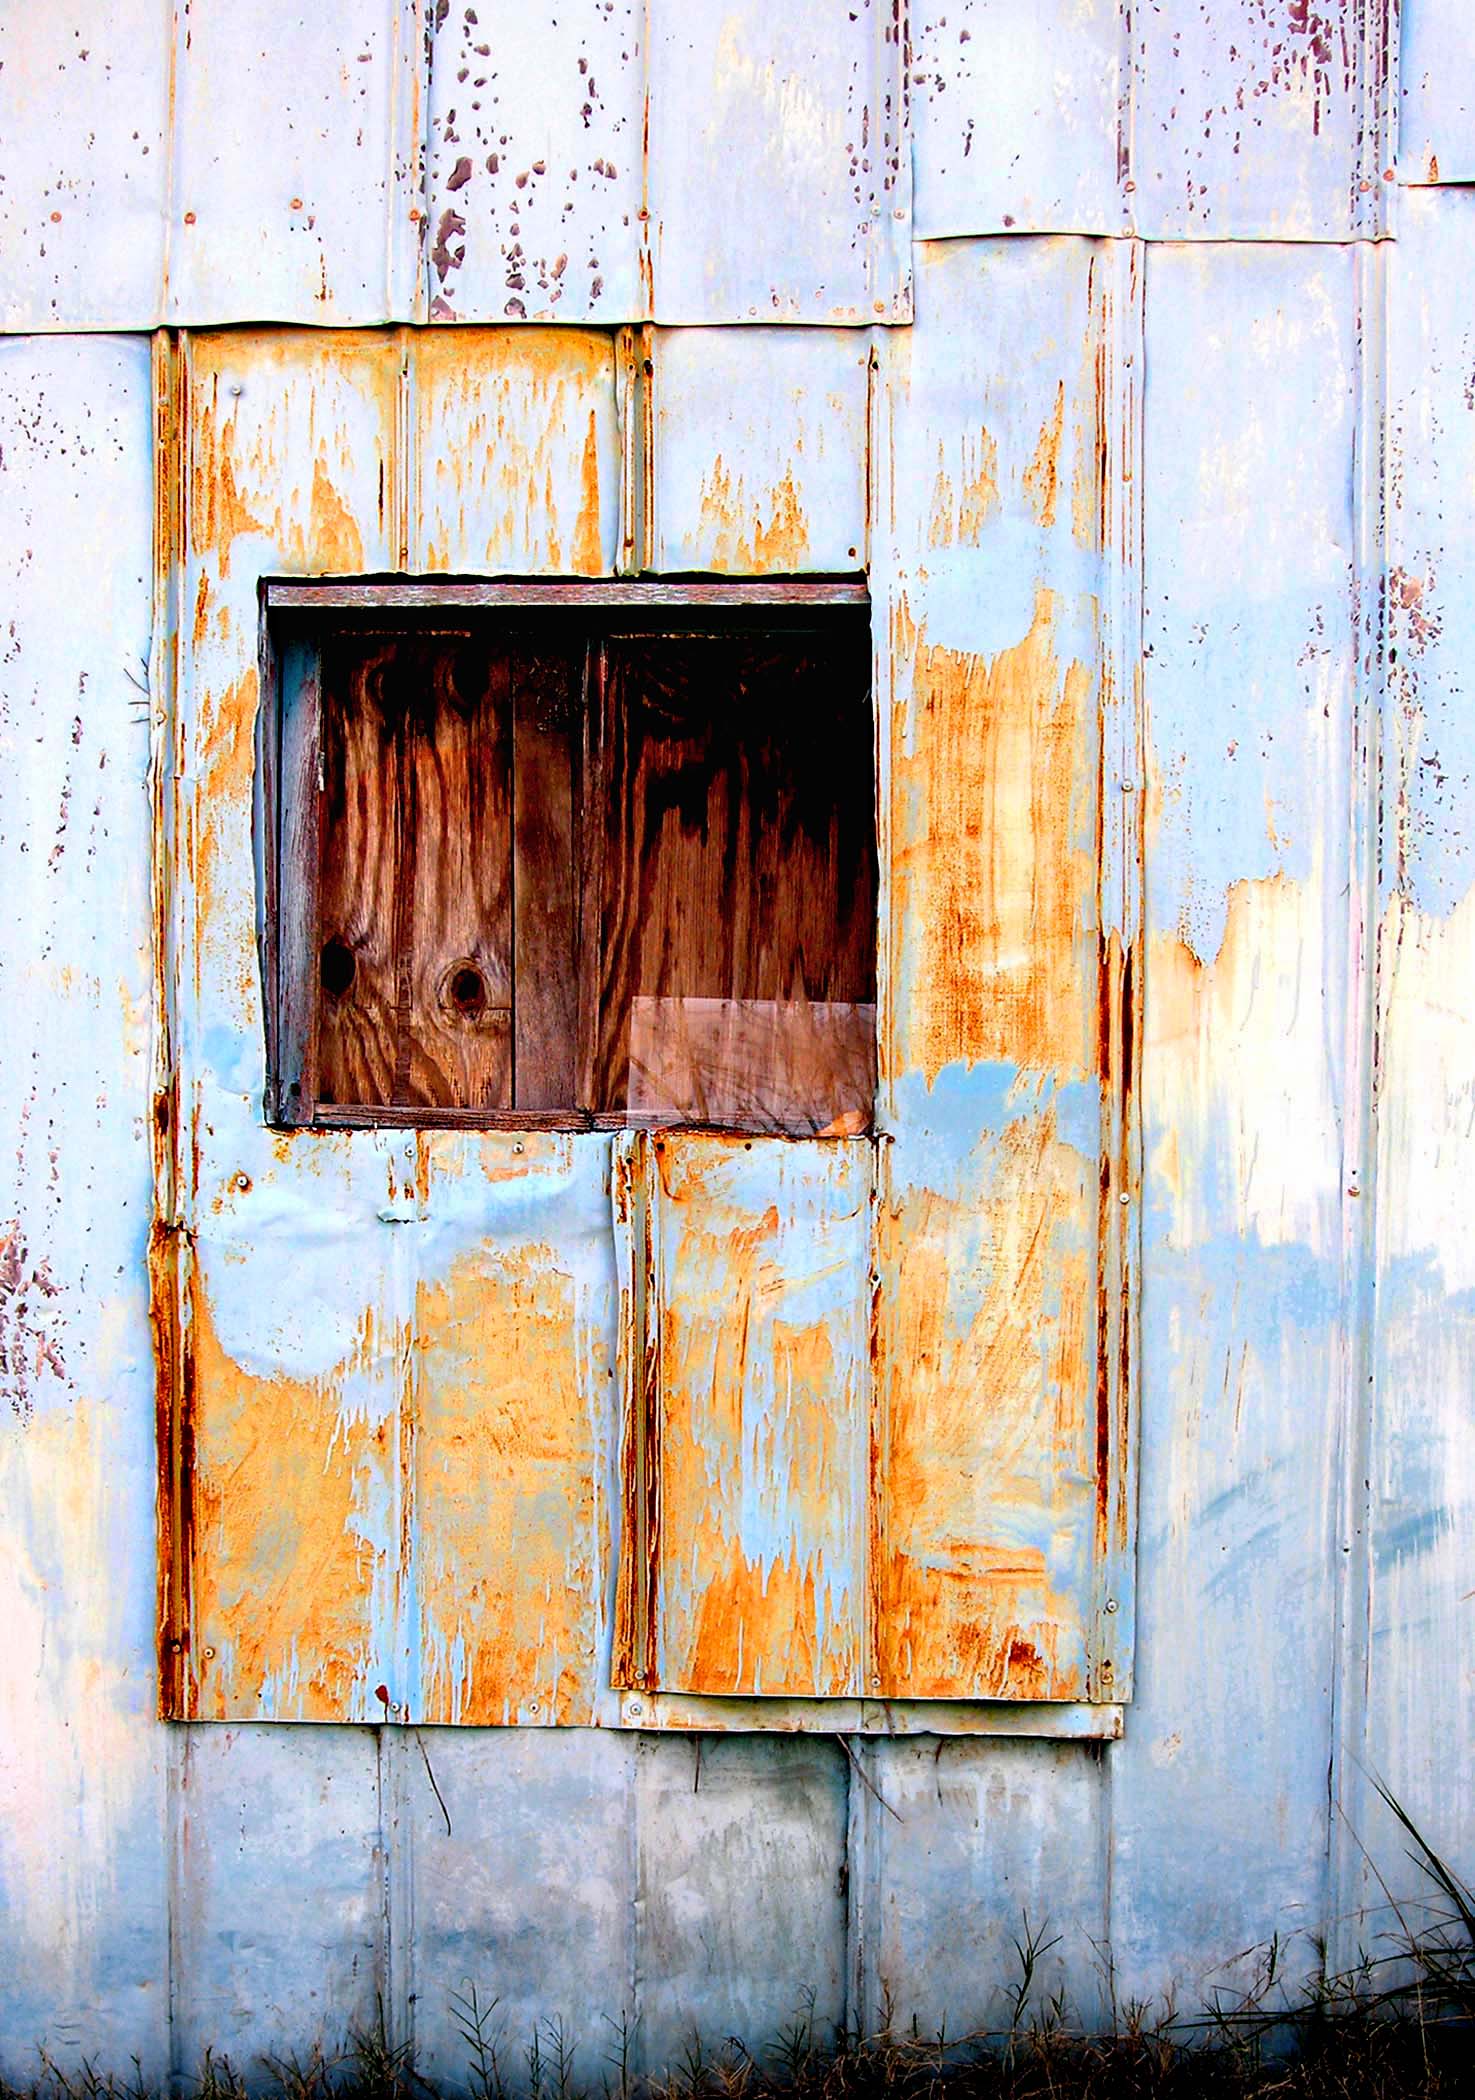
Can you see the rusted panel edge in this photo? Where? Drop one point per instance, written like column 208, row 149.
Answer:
column 400, row 595
column 1057, row 1720
column 1118, row 322
column 633, row 1653
column 635, row 417
column 170, row 1245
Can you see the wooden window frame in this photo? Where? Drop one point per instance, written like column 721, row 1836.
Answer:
column 286, row 602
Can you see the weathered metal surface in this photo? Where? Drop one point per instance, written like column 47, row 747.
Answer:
column 1420, row 1625
column 1252, row 120
column 330, row 1290
column 1250, row 592
column 1261, row 120
column 536, row 166
column 779, row 180
column 515, row 450
column 152, row 1911
column 84, row 108
column 292, row 174
column 998, row 1052
column 759, row 442
column 1436, row 78
column 1018, row 110
column 83, row 1909
column 756, row 1340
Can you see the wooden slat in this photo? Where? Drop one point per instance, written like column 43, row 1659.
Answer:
column 455, row 1047
column 354, row 966
column 397, row 595
column 736, row 809
column 545, row 691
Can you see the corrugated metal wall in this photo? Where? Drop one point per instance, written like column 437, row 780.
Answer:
column 1307, row 442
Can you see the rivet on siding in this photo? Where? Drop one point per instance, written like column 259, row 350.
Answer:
column 209, row 1655
column 518, row 1147
column 633, row 1709
column 875, row 1684
column 1124, row 1197
column 1129, row 787
column 533, row 1706
column 1111, row 1603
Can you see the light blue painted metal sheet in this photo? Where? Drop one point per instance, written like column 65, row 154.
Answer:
column 277, row 1931
column 1017, row 114
column 83, row 1905
column 292, row 181
column 780, row 162
column 84, row 111
column 535, row 165
column 1436, row 80
column 760, row 442
column 1219, row 1787
column 1260, row 120
column 1422, row 1456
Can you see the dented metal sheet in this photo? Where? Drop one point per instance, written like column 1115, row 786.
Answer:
column 1436, row 79
column 1253, row 120
column 779, row 181
column 1017, row 113
column 83, row 201
column 535, row 169
column 292, row 176
column 1262, row 120
column 755, row 1358
column 760, row 442
column 1001, row 1438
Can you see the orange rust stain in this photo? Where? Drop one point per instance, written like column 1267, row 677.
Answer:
column 512, row 1528
column 759, row 1410
column 993, row 825
column 283, row 1580
column 334, row 542
column 748, row 535
column 588, row 551
column 986, row 1423
column 961, row 507
column 219, row 514
column 1042, row 475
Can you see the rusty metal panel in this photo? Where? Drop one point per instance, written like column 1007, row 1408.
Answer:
column 83, row 1899
column 417, row 1326
column 760, row 445
column 1421, row 1456
column 84, row 109
column 293, row 180
column 1018, row 110
column 779, row 162
column 1261, row 120
column 750, row 1537
column 1003, row 1514
column 1251, row 584
column 511, row 1424
column 1436, row 79
column 516, row 452
column 536, row 163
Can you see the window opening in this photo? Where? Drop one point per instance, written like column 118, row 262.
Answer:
column 589, row 864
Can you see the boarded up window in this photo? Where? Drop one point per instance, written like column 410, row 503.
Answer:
column 559, row 872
